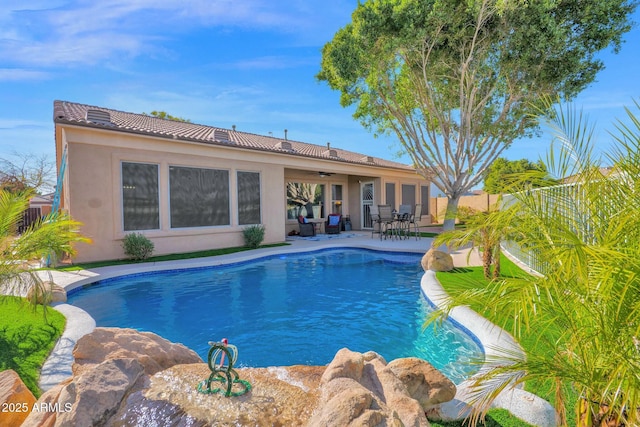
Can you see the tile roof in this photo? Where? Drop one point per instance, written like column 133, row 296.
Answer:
column 65, row 112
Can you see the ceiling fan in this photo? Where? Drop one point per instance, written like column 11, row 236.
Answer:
column 324, row 174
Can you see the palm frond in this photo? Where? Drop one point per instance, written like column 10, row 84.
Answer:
column 584, row 313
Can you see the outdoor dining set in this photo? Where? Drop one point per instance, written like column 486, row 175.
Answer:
column 396, row 224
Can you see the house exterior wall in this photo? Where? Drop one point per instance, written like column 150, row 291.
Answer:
column 92, row 189
column 94, row 192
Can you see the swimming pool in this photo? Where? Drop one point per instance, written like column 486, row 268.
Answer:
column 288, row 309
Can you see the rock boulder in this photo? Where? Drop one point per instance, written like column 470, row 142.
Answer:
column 125, row 377
column 46, row 293
column 362, row 389
column 16, row 400
column 423, row 382
column 152, row 351
column 437, row 261
column 97, row 393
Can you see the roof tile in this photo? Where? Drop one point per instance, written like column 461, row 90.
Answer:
column 74, row 113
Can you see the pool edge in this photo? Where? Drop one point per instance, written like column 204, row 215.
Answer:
column 494, row 342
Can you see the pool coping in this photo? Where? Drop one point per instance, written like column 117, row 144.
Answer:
column 522, row 404
column 496, row 342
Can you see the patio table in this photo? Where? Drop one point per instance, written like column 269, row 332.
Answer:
column 318, row 223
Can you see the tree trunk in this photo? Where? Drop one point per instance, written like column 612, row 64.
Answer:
column 487, row 257
column 450, row 214
column 593, row 414
column 496, row 261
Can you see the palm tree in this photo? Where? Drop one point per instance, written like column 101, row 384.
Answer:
column 483, row 230
column 584, row 310
column 52, row 235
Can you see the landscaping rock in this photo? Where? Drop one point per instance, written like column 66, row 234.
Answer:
column 437, row 261
column 359, row 389
column 97, row 394
column 49, row 403
column 16, row 400
column 424, row 382
column 47, row 293
column 152, row 351
column 124, row 377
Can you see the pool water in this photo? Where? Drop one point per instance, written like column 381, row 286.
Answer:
column 288, row 309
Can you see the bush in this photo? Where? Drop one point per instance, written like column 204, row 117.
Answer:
column 137, row 246
column 253, row 236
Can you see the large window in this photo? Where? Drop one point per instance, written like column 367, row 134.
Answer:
column 198, row 197
column 424, row 198
column 305, row 198
column 390, row 194
column 140, row 202
column 408, row 194
column 336, row 199
column 248, row 198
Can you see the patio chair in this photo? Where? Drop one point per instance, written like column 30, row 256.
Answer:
column 415, row 220
column 375, row 220
column 403, row 218
column 307, row 229
column 387, row 221
column 333, row 225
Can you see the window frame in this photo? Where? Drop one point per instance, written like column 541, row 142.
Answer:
column 391, row 201
column 409, row 193
column 337, row 203
column 123, row 224
column 259, row 174
column 320, row 198
column 169, row 198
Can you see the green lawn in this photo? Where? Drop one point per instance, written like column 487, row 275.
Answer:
column 469, row 277
column 27, row 338
column 495, row 418
column 170, row 257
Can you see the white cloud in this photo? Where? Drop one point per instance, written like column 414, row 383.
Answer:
column 87, row 32
column 269, row 63
column 20, row 124
column 20, row 135
column 21, row 74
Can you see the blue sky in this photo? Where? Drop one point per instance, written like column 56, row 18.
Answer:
column 249, row 63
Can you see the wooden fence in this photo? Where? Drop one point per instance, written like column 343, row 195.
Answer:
column 29, row 216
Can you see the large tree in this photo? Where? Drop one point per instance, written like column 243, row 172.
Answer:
column 167, row 116
column 456, row 80
column 502, row 173
column 27, row 171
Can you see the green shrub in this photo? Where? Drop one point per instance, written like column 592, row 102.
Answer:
column 253, row 235
column 137, row 246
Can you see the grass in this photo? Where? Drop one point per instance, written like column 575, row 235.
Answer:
column 27, row 337
column 170, row 257
column 425, row 234
column 470, row 277
column 495, row 418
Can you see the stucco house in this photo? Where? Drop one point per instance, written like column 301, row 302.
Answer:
column 191, row 187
